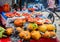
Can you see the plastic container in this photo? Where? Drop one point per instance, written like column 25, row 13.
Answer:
column 40, row 40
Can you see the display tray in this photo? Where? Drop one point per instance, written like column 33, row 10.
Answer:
column 40, row 40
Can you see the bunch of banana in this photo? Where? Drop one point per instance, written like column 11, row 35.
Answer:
column 2, row 30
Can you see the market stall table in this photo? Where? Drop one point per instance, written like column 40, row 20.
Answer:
column 8, row 39
column 41, row 40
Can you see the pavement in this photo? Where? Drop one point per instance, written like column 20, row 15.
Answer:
column 57, row 22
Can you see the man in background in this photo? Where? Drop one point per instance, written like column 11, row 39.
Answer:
column 52, row 7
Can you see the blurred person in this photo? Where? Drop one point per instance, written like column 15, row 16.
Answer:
column 52, row 7
column 1, row 9
column 39, row 6
column 15, row 6
column 21, row 4
column 6, row 7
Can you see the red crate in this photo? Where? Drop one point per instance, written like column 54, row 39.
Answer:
column 40, row 40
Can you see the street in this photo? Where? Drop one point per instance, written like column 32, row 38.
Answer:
column 57, row 21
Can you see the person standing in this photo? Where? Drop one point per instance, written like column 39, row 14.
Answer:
column 15, row 6
column 52, row 7
column 21, row 4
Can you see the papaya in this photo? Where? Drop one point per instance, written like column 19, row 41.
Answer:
column 35, row 35
column 52, row 34
column 9, row 31
column 18, row 22
column 46, row 34
column 50, row 27
column 19, row 29
column 32, row 26
column 42, row 28
column 25, row 35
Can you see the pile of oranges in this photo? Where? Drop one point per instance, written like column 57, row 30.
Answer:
column 36, row 28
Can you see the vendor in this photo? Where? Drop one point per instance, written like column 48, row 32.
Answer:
column 15, row 7
column 6, row 9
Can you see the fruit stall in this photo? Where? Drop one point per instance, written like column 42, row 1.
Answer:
column 28, row 27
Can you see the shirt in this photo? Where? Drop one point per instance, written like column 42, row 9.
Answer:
column 51, row 3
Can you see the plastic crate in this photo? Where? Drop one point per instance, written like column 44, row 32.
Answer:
column 40, row 40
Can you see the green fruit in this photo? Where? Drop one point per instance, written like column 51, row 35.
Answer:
column 1, row 34
column 2, row 29
column 32, row 26
column 4, row 35
column 35, row 26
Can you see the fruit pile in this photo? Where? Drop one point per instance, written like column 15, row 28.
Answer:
column 32, row 27
column 10, row 15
